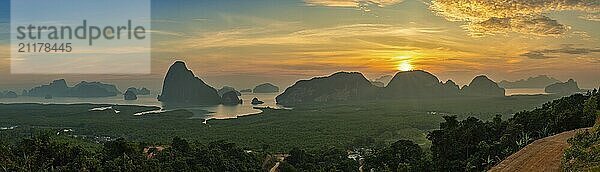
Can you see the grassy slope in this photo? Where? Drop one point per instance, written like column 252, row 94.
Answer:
column 278, row 130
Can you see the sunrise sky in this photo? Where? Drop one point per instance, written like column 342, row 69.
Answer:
column 244, row 43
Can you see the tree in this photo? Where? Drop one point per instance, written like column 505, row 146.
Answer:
column 180, row 145
column 467, row 145
column 403, row 155
column 329, row 159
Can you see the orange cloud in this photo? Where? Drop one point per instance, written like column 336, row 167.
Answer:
column 241, row 37
column 592, row 17
column 499, row 16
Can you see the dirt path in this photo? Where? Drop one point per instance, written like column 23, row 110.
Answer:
column 541, row 155
column 274, row 168
column 280, row 158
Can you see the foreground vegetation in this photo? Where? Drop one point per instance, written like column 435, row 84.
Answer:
column 312, row 138
column 44, row 152
column 475, row 145
column 584, row 153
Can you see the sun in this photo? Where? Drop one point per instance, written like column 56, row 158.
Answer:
column 405, row 66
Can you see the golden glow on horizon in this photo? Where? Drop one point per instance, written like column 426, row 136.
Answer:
column 405, row 66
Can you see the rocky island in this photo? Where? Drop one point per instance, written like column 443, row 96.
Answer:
column 568, row 87
column 482, row 86
column 341, row 86
column 255, row 101
column 129, row 95
column 226, row 89
column 141, row 91
column 182, row 87
column 413, row 84
column 231, row 98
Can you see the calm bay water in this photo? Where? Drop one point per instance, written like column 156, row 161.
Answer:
column 217, row 112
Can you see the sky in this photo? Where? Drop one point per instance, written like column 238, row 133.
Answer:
column 245, row 43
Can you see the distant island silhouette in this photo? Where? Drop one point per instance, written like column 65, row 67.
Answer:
column 385, row 79
column 568, row 87
column 84, row 89
column 539, row 81
column 8, row 94
column 265, row 88
column 246, row 90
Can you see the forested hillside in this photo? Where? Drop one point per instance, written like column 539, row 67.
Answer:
column 469, row 144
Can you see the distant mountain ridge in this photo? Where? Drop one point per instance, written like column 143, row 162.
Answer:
column 353, row 86
column 539, row 81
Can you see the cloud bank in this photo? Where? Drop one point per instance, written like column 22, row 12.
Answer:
column 351, row 3
column 565, row 50
column 490, row 17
